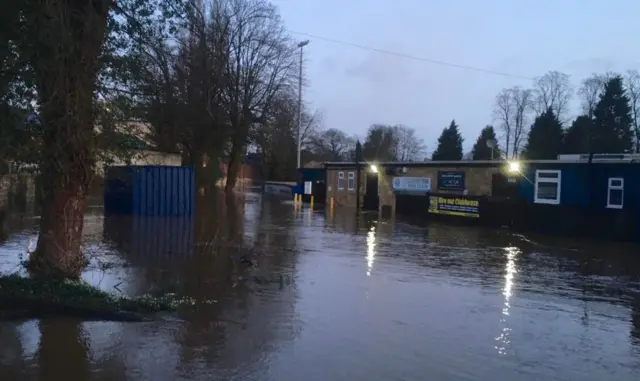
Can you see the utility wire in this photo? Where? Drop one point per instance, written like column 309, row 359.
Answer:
column 407, row 56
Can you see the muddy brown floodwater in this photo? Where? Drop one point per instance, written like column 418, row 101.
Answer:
column 337, row 298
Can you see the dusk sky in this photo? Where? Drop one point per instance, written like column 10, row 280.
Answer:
column 355, row 88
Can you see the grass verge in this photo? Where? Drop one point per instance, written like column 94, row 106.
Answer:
column 22, row 297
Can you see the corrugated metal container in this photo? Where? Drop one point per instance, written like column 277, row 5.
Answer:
column 150, row 190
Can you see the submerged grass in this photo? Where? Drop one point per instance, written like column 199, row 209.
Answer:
column 31, row 298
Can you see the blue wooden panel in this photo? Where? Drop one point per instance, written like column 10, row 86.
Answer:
column 152, row 191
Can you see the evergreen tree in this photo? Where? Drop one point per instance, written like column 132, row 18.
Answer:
column 449, row 144
column 545, row 137
column 577, row 137
column 480, row 150
column 612, row 132
column 378, row 146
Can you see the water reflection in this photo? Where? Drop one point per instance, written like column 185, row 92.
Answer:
column 510, row 272
column 371, row 249
column 63, row 352
column 441, row 298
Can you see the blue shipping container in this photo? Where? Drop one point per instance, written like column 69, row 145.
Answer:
column 150, row 190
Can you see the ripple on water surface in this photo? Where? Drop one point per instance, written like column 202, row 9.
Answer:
column 332, row 297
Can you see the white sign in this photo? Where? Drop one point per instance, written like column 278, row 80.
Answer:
column 281, row 189
column 307, row 187
column 412, row 184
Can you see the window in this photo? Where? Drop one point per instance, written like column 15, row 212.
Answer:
column 615, row 193
column 351, row 182
column 340, row 180
column 547, row 187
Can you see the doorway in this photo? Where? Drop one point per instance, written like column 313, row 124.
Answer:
column 371, row 197
column 504, row 187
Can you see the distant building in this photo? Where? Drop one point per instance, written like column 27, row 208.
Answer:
column 137, row 148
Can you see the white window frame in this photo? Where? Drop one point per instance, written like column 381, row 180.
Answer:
column 340, row 180
column 351, row 181
column 557, row 181
column 611, row 187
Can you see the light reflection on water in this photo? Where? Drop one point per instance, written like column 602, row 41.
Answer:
column 510, row 273
column 371, row 249
column 439, row 296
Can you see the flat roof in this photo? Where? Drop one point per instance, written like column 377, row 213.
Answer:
column 477, row 163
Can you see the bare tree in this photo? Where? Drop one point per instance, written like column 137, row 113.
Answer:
column 590, row 90
column 503, row 113
column 407, row 146
column 261, row 65
column 552, row 90
column 310, row 128
column 511, row 111
column 332, row 145
column 633, row 91
column 523, row 100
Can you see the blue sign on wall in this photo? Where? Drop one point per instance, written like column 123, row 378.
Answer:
column 412, row 184
column 451, row 180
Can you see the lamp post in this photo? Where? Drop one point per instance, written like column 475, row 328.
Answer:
column 491, row 144
column 301, row 45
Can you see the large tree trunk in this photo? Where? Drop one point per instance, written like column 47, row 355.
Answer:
column 67, row 38
column 235, row 161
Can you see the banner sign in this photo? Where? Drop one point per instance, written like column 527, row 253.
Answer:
column 412, row 184
column 451, row 180
column 454, row 206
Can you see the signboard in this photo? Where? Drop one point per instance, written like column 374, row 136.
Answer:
column 279, row 189
column 454, row 206
column 412, row 184
column 451, row 180
column 307, row 187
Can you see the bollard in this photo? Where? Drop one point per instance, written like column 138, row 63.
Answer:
column 311, row 201
column 331, row 203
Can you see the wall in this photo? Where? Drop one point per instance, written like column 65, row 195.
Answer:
column 478, row 181
column 345, row 197
column 583, row 201
column 144, row 157
column 581, row 183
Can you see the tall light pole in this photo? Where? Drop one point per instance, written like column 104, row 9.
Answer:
column 301, row 45
column 492, row 146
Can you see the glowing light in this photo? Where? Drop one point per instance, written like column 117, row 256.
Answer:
column 371, row 249
column 510, row 272
column 373, row 168
column 514, row 167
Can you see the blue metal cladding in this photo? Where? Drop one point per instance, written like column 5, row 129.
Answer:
column 150, row 190
column 583, row 184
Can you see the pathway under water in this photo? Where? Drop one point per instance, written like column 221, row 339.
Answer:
column 338, row 298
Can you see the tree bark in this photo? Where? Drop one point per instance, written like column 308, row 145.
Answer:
column 66, row 39
column 235, row 161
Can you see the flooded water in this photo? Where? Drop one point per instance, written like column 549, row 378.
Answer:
column 332, row 297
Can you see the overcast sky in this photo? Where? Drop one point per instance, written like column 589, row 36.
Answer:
column 356, row 87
